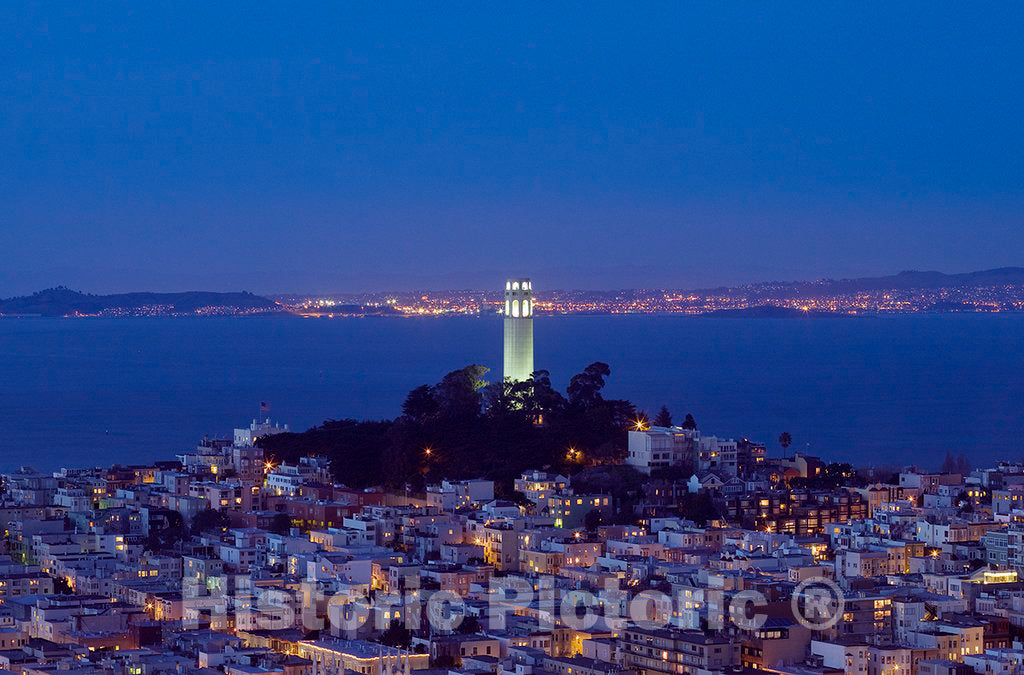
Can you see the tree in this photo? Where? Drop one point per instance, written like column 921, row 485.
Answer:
column 948, row 464
column 963, row 465
column 520, row 499
column 420, row 403
column 585, row 388
column 396, row 635
column 470, row 624
column 663, row 418
column 785, row 440
column 160, row 538
column 689, row 422
column 443, row 661
column 676, row 472
column 533, row 398
column 545, row 398
column 592, row 520
column 495, row 430
column 61, row 586
column 698, row 507
column 458, row 392
column 209, row 519
column 618, row 480
column 165, row 538
column 963, row 502
column 281, row 523
column 353, row 446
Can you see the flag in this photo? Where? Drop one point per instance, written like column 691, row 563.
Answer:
column 264, row 407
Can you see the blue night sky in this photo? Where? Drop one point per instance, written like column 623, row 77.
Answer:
column 353, row 146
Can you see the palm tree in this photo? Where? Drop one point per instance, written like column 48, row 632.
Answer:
column 785, row 439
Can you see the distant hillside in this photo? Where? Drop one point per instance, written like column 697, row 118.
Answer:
column 63, row 301
column 909, row 280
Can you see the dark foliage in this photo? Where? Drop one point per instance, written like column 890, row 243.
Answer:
column 354, row 447
column 951, row 464
column 396, row 635
column 463, row 427
column 470, row 624
column 167, row 537
column 698, row 507
column 621, row 481
column 663, row 418
column 281, row 523
column 678, row 472
column 444, row 661
column 419, row 404
column 585, row 388
column 209, row 519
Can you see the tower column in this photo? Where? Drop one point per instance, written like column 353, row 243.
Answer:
column 518, row 310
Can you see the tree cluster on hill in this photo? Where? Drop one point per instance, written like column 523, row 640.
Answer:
column 664, row 419
column 464, row 427
column 960, row 465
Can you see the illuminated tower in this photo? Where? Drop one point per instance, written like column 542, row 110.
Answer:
column 518, row 329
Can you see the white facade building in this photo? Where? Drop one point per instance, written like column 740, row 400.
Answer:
column 718, row 454
column 245, row 438
column 660, row 447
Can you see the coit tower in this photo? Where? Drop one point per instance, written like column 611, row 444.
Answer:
column 518, row 329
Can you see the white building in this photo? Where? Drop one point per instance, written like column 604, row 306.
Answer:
column 661, row 446
column 451, row 495
column 539, row 485
column 718, row 454
column 245, row 438
column 287, row 479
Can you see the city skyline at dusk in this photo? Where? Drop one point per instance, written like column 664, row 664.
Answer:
column 511, row 339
